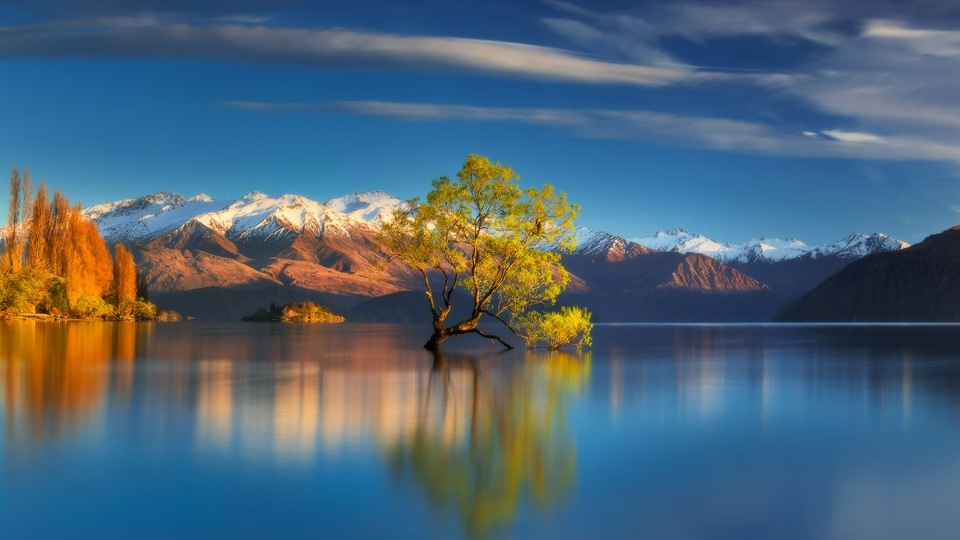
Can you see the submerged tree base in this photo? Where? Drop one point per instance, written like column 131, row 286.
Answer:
column 441, row 334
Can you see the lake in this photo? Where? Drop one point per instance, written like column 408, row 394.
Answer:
column 189, row 430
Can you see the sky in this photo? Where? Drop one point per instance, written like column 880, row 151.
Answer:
column 732, row 119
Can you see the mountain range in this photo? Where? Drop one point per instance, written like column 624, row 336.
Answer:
column 916, row 284
column 219, row 259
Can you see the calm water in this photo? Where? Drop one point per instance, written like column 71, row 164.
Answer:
column 256, row 431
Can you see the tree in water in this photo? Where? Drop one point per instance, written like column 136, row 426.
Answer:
column 484, row 235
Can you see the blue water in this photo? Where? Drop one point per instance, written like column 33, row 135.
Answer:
column 354, row 431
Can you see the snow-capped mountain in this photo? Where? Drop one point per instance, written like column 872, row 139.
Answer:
column 593, row 243
column 220, row 258
column 253, row 216
column 767, row 249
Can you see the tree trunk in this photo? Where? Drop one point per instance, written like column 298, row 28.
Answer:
column 433, row 344
column 441, row 332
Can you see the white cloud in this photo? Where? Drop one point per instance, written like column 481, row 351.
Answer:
column 852, row 136
column 920, row 41
column 330, row 47
column 890, row 79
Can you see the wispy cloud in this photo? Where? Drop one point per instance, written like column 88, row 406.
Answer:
column 945, row 43
column 890, row 78
column 887, row 79
column 328, row 48
column 649, row 127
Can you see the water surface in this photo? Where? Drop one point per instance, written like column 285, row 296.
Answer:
column 251, row 430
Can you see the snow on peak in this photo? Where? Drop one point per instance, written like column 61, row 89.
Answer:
column 255, row 214
column 681, row 241
column 860, row 245
column 595, row 243
column 254, row 196
column 163, row 197
column 367, row 206
column 765, row 249
column 145, row 217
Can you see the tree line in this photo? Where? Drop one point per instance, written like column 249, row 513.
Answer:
column 55, row 261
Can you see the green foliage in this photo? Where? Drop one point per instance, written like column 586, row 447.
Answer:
column 20, row 292
column 569, row 326
column 485, row 235
column 305, row 311
column 55, row 300
column 137, row 310
column 92, row 307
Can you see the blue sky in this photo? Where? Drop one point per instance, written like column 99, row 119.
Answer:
column 732, row 119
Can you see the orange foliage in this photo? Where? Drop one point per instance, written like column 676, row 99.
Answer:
column 64, row 243
column 125, row 274
column 39, row 255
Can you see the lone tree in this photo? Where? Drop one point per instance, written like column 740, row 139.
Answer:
column 486, row 236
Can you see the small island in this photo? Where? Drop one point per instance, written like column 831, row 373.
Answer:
column 305, row 311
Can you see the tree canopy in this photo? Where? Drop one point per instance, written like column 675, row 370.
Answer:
column 485, row 235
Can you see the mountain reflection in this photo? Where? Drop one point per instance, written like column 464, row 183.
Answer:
column 486, row 437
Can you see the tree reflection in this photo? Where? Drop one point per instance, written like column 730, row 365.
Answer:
column 490, row 437
column 55, row 375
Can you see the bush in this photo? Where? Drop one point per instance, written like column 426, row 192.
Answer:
column 92, row 307
column 307, row 312
column 55, row 301
column 137, row 310
column 569, row 326
column 20, row 292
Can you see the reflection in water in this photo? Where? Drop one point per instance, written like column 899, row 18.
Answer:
column 479, row 435
column 703, row 372
column 679, row 431
column 486, row 438
column 57, row 375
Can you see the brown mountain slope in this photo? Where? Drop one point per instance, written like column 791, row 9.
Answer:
column 183, row 267
column 666, row 286
column 920, row 283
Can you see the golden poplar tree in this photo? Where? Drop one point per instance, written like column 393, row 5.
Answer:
column 124, row 274
column 18, row 214
column 39, row 248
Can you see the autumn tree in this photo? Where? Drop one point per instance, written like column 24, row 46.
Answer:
column 67, row 266
column 18, row 216
column 484, row 235
column 39, row 249
column 124, row 275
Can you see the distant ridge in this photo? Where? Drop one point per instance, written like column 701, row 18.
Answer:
column 767, row 249
column 920, row 283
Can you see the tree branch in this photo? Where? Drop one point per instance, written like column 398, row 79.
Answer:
column 505, row 323
column 491, row 336
column 426, row 282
